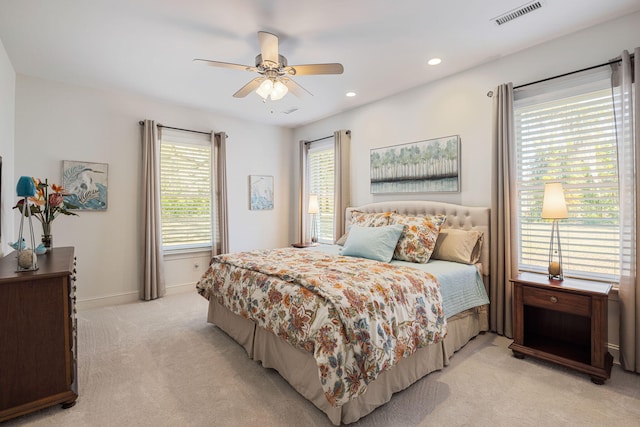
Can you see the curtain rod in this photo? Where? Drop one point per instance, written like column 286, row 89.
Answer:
column 613, row 61
column 319, row 139
column 141, row 122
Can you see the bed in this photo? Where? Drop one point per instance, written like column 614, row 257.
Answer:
column 296, row 363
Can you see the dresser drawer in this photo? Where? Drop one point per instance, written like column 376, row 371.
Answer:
column 556, row 300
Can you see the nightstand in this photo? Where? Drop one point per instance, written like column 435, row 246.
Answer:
column 562, row 321
column 304, row 245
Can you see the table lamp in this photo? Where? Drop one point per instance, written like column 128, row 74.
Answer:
column 27, row 260
column 314, row 209
column 554, row 207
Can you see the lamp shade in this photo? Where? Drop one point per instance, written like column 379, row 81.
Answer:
column 553, row 204
column 313, row 204
column 26, row 187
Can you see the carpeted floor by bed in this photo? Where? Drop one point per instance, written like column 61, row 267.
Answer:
column 160, row 364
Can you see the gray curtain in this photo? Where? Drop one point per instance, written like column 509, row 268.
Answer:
column 627, row 112
column 153, row 285
column 221, row 214
column 303, row 196
column 504, row 265
column 342, row 195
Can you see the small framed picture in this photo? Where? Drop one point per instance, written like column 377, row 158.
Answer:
column 86, row 184
column 260, row 192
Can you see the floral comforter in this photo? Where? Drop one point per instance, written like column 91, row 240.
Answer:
column 357, row 317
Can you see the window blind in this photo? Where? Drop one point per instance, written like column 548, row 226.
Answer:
column 321, row 166
column 185, row 190
column 567, row 134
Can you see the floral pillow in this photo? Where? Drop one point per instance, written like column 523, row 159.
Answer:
column 418, row 239
column 364, row 219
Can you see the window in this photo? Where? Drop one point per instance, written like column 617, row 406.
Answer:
column 321, row 165
column 566, row 132
column 185, row 190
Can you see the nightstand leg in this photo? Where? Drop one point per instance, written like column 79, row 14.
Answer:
column 518, row 355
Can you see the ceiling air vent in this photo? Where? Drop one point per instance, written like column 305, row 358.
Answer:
column 517, row 13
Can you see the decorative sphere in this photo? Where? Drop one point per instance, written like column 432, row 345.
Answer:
column 27, row 258
column 554, row 268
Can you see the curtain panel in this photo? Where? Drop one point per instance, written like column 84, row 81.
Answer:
column 504, row 263
column 626, row 100
column 220, row 238
column 303, row 195
column 342, row 150
column 153, row 285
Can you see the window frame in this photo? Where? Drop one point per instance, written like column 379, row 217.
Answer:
column 555, row 93
column 189, row 139
column 326, row 198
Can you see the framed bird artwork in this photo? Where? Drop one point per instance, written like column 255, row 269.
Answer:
column 85, row 184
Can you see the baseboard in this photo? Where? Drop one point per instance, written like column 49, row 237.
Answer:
column 129, row 297
column 180, row 289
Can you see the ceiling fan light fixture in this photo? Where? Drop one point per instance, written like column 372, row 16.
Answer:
column 265, row 88
column 272, row 88
column 279, row 90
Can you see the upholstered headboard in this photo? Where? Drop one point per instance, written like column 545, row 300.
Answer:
column 458, row 216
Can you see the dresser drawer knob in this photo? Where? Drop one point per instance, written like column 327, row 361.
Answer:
column 553, row 299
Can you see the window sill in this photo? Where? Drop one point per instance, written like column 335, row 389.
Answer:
column 186, row 253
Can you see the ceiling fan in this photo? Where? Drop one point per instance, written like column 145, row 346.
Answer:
column 274, row 80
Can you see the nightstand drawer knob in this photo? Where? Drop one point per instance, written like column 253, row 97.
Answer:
column 553, row 299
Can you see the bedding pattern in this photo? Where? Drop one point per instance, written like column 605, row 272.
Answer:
column 356, row 316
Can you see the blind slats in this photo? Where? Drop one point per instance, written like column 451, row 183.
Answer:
column 185, row 194
column 321, row 182
column 571, row 140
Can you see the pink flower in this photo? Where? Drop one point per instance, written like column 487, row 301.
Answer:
column 55, row 200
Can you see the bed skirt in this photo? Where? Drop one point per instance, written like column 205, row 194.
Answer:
column 299, row 368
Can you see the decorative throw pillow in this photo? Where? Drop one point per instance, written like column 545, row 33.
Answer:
column 364, row 219
column 456, row 245
column 418, row 238
column 377, row 243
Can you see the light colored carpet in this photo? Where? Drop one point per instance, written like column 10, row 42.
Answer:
column 160, row 364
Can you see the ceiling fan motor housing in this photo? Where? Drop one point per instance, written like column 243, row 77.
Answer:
column 267, row 65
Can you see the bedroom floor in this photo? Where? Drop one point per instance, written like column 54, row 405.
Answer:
column 160, row 364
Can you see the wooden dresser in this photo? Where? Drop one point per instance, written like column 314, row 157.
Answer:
column 38, row 341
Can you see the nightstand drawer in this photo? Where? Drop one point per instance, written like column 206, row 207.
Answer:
column 558, row 301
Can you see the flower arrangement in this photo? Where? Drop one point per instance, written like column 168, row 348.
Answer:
column 47, row 205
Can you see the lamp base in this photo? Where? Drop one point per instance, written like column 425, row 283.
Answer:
column 555, row 271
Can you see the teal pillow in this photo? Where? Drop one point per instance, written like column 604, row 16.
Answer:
column 377, row 243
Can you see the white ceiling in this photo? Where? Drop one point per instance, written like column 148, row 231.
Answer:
column 147, row 46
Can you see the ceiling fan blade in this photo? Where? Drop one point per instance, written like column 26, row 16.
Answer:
column 268, row 46
column 225, row 65
column 248, row 88
column 307, row 69
column 295, row 88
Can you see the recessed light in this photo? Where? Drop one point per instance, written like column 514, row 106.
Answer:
column 434, row 61
column 350, row 94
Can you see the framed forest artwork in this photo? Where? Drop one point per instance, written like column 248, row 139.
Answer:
column 429, row 166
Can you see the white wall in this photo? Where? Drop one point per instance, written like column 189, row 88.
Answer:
column 56, row 121
column 458, row 105
column 7, row 126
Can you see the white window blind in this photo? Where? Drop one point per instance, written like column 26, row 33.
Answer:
column 321, row 168
column 567, row 134
column 185, row 190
